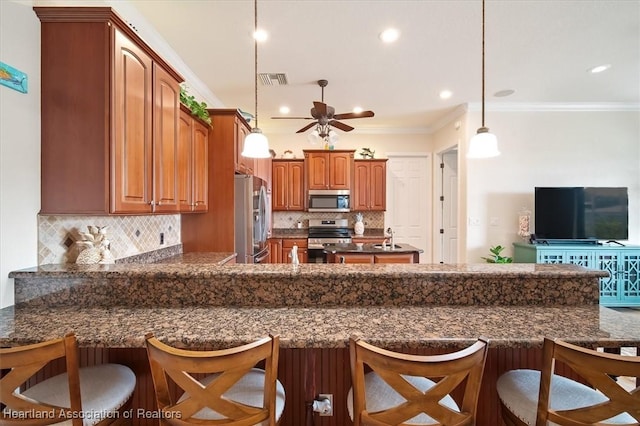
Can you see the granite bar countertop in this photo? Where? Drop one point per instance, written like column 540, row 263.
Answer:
column 366, row 248
column 201, row 259
column 186, row 284
column 391, row 327
column 302, row 233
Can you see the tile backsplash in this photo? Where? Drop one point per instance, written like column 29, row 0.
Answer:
column 128, row 235
column 286, row 220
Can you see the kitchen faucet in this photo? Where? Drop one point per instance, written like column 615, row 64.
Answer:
column 390, row 232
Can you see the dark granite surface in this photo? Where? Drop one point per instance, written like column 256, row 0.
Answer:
column 290, row 233
column 305, row 285
column 191, row 301
column 366, row 248
column 408, row 327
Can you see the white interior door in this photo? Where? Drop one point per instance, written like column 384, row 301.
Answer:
column 449, row 200
column 409, row 195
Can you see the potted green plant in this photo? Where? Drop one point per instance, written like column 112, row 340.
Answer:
column 496, row 257
column 198, row 109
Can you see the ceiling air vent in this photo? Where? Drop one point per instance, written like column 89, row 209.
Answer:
column 273, row 79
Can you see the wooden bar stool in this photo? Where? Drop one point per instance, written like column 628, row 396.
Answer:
column 531, row 397
column 407, row 389
column 89, row 395
column 220, row 387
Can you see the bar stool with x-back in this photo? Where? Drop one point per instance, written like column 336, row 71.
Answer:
column 405, row 389
column 95, row 395
column 221, row 387
column 531, row 397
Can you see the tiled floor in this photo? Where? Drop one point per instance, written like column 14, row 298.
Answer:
column 629, row 383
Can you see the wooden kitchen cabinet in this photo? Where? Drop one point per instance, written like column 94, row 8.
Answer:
column 329, row 169
column 214, row 230
column 370, row 185
column 192, row 163
column 351, row 258
column 287, row 245
column 395, row 258
column 288, row 185
column 244, row 165
column 275, row 250
column 109, row 121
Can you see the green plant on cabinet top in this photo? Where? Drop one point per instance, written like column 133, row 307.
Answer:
column 198, row 109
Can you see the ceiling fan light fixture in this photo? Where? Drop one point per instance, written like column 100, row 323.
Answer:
column 256, row 144
column 313, row 137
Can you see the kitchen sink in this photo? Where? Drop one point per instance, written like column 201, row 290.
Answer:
column 388, row 246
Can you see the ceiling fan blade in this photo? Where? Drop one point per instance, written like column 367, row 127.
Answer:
column 363, row 114
column 292, row 118
column 340, row 126
column 307, row 127
column 320, row 107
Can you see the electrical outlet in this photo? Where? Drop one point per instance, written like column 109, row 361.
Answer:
column 328, row 396
column 162, row 238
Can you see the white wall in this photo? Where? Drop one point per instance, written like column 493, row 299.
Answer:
column 19, row 145
column 548, row 149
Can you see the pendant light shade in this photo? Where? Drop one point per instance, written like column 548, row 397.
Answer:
column 256, row 144
column 483, row 144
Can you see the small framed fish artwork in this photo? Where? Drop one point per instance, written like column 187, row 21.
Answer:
column 13, row 78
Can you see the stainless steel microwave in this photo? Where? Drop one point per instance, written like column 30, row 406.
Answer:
column 329, row 200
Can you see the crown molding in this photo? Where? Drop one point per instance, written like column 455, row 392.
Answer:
column 555, row 106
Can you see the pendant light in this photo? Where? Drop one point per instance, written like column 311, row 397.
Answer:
column 256, row 144
column 483, row 144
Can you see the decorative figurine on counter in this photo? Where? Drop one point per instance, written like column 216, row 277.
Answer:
column 367, row 153
column 94, row 246
column 358, row 227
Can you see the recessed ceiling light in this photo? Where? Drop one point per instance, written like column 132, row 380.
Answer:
column 357, row 110
column 284, row 109
column 504, row 93
column 389, row 35
column 599, row 68
column 260, row 35
column 446, row 94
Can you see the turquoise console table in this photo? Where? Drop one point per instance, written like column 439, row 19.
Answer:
column 620, row 288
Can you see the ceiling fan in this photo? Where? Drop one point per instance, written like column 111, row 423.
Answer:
column 326, row 117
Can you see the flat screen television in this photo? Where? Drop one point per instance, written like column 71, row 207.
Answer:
column 581, row 213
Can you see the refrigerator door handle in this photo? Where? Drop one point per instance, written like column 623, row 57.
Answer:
column 262, row 258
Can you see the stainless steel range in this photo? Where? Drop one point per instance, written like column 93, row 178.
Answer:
column 323, row 232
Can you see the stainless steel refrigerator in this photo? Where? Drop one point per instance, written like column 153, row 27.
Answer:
column 251, row 212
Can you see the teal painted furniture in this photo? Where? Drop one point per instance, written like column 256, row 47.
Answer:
column 622, row 286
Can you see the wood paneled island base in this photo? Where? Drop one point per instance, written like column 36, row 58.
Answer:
column 115, row 332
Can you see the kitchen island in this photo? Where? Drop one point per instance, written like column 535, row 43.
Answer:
column 314, row 308
column 372, row 253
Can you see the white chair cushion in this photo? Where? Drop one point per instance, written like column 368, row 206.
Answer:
column 103, row 389
column 248, row 390
column 381, row 396
column 518, row 391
